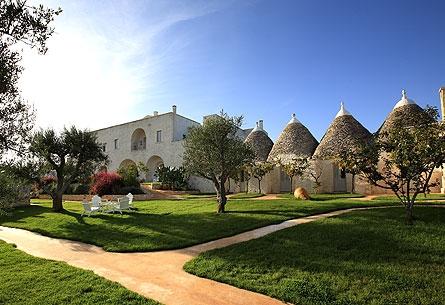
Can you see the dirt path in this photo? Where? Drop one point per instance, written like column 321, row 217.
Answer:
column 267, row 197
column 366, row 198
column 157, row 275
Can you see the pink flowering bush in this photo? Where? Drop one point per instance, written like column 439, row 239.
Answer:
column 106, row 183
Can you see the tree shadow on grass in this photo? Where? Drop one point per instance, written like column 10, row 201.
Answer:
column 156, row 232
column 135, row 231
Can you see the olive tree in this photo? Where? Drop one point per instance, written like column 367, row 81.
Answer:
column 259, row 170
column 11, row 190
column 213, row 151
column 297, row 167
column 315, row 172
column 20, row 25
column 246, row 175
column 404, row 158
column 346, row 160
column 69, row 155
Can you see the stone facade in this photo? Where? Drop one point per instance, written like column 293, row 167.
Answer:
column 153, row 140
column 158, row 139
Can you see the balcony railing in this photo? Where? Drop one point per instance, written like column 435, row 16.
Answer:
column 138, row 146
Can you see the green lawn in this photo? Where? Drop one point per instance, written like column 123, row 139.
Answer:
column 363, row 257
column 420, row 197
column 167, row 224
column 323, row 197
column 28, row 280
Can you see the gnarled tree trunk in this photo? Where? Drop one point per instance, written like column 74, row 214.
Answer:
column 222, row 198
column 58, row 193
column 221, row 195
column 409, row 219
column 57, row 202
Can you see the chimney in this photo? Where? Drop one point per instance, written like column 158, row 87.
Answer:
column 442, row 101
column 260, row 125
column 174, row 109
column 155, row 113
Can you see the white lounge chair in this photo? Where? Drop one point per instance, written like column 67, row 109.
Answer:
column 87, row 209
column 122, row 204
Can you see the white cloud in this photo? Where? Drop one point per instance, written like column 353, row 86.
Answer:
column 102, row 61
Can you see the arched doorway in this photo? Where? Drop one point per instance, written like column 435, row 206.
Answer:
column 126, row 163
column 152, row 164
column 138, row 140
column 339, row 180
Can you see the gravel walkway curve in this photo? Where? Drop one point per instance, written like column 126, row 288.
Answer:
column 156, row 275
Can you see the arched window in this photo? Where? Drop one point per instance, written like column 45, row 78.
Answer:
column 138, row 140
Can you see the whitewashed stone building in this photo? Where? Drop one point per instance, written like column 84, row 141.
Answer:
column 158, row 139
column 153, row 140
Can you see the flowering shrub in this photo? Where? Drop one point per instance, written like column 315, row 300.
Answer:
column 106, row 183
column 47, row 180
column 46, row 184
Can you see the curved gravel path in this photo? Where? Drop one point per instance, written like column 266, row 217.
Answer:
column 156, row 275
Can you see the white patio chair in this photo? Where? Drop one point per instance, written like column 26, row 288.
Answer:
column 130, row 200
column 122, row 204
column 96, row 202
column 87, row 209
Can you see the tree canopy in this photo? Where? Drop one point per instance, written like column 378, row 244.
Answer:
column 296, row 167
column 403, row 158
column 214, row 151
column 65, row 157
column 20, row 24
column 259, row 170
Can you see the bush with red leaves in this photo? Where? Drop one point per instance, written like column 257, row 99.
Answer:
column 46, row 184
column 106, row 183
column 47, row 180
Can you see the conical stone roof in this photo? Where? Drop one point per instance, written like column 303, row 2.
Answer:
column 344, row 134
column 405, row 113
column 294, row 141
column 260, row 142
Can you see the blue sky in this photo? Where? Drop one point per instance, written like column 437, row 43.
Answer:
column 115, row 61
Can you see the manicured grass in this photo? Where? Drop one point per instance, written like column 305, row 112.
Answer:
column 167, row 224
column 199, row 196
column 27, row 280
column 323, row 197
column 363, row 257
column 420, row 197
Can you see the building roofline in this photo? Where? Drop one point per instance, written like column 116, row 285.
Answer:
column 144, row 118
column 188, row 119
